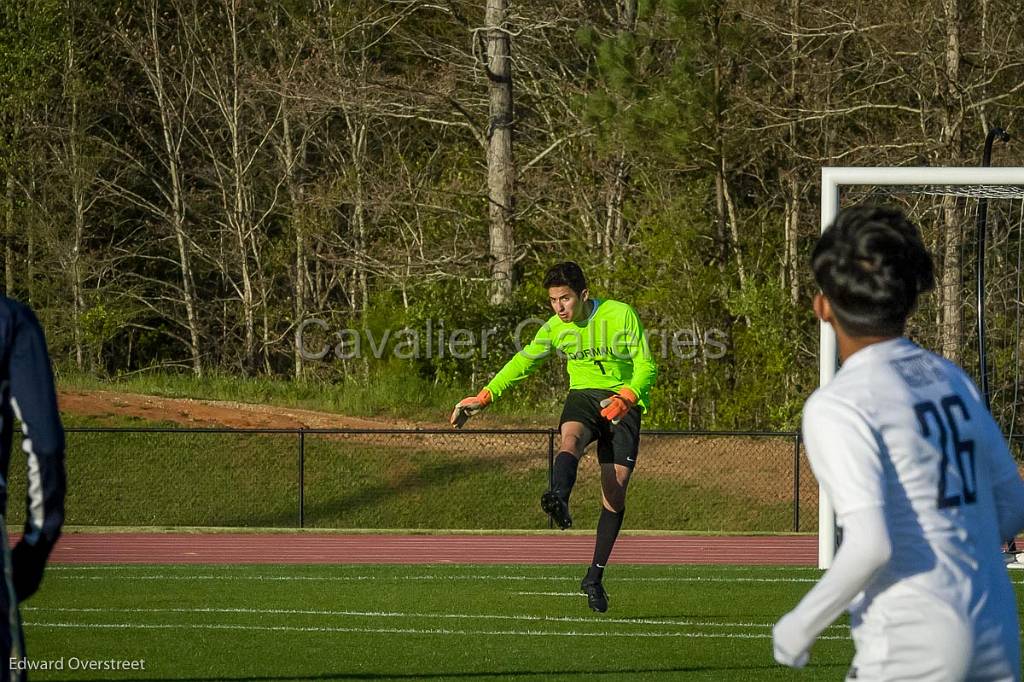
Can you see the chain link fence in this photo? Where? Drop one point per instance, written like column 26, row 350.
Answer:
column 469, row 480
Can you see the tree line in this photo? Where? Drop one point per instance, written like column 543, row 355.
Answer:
column 185, row 182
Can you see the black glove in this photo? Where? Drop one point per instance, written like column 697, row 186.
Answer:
column 27, row 564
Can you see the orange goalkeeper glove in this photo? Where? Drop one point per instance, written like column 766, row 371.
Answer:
column 468, row 407
column 617, row 406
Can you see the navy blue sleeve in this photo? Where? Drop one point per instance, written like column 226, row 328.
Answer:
column 34, row 401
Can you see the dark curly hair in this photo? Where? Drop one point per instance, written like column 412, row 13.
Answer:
column 872, row 265
column 567, row 274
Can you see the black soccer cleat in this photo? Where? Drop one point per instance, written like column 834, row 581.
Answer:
column 597, row 598
column 557, row 508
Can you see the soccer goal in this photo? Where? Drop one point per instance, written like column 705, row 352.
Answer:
column 972, row 220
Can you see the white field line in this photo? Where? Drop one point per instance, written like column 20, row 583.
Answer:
column 404, row 631
column 128, row 567
column 399, row 614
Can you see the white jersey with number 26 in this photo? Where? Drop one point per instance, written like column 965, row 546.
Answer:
column 903, row 429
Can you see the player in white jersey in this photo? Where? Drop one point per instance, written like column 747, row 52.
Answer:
column 923, row 483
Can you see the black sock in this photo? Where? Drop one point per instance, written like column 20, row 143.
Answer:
column 563, row 475
column 608, row 526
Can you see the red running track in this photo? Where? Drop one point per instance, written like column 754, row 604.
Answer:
column 308, row 548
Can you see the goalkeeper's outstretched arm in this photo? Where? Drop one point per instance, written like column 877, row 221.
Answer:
column 515, row 370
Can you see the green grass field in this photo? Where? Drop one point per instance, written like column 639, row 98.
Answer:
column 515, row 622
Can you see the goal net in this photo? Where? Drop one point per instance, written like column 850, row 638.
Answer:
column 974, row 314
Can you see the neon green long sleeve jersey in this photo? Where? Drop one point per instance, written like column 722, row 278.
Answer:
column 607, row 350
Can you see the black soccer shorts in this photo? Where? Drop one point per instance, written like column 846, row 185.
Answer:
column 619, row 443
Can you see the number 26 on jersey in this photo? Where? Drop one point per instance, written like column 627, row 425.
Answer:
column 957, row 458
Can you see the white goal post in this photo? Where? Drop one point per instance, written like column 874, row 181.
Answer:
column 833, row 179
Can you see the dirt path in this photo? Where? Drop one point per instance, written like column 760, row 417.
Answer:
column 208, row 413
column 216, row 413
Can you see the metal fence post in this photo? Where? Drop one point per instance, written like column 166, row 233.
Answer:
column 796, row 483
column 551, row 468
column 302, row 478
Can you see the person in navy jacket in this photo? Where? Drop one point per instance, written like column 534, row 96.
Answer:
column 27, row 394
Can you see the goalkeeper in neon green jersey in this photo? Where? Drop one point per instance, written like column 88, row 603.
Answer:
column 611, row 372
